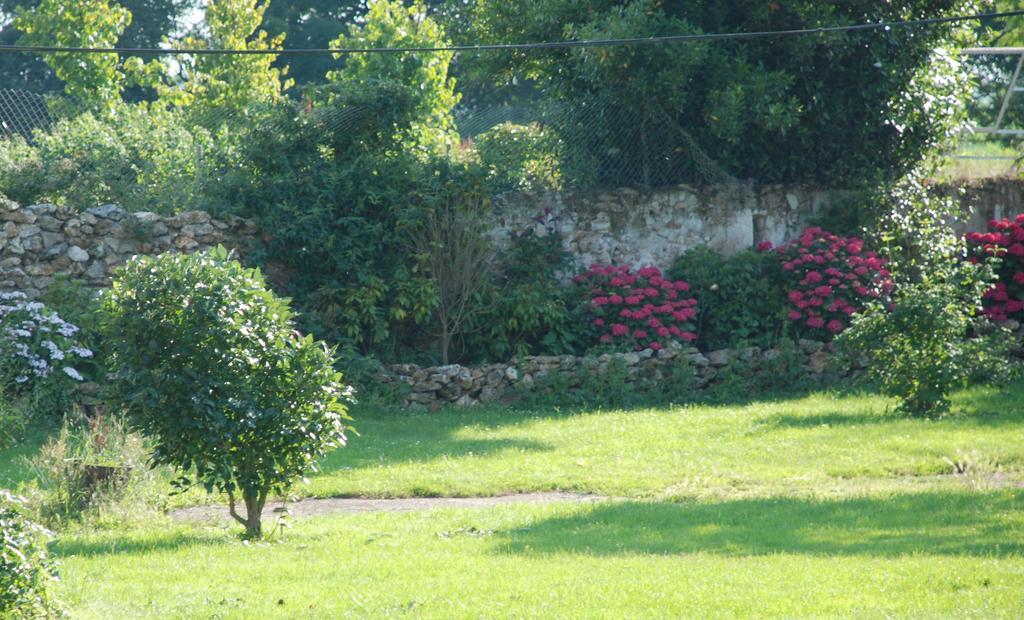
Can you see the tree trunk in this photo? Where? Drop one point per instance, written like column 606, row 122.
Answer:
column 446, row 339
column 254, row 502
column 253, row 516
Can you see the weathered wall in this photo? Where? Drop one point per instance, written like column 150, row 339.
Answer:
column 985, row 200
column 653, row 228
column 621, row 226
column 428, row 388
column 41, row 241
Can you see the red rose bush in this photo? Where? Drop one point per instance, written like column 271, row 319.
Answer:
column 830, row 278
column 1005, row 240
column 636, row 310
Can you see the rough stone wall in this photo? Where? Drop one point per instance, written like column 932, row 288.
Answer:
column 42, row 241
column 986, row 199
column 422, row 388
column 430, row 388
column 653, row 228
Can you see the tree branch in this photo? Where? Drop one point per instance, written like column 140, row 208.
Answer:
column 234, row 513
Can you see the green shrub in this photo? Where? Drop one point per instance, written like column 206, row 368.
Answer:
column 80, row 305
column 528, row 311
column 741, row 300
column 919, row 350
column 40, row 353
column 341, row 206
column 519, row 157
column 25, row 570
column 209, row 365
column 142, row 157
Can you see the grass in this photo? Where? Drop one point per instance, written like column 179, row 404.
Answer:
column 921, row 555
column 820, row 506
column 981, row 159
column 759, row 448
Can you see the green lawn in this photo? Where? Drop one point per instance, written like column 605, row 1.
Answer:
column 820, row 506
column 937, row 555
column 760, row 448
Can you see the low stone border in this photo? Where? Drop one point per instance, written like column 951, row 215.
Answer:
column 421, row 388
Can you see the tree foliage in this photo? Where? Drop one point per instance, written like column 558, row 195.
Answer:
column 835, row 108
column 389, row 23
column 917, row 346
column 97, row 79
column 207, row 362
column 229, row 82
column 151, row 22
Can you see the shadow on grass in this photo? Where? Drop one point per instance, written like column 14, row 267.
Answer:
column 395, row 443
column 391, row 436
column 65, row 547
column 967, row 524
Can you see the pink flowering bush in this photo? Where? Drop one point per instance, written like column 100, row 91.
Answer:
column 635, row 310
column 828, row 279
column 1005, row 240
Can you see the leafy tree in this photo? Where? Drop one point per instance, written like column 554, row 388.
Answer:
column 207, row 362
column 96, row 79
column 389, row 23
column 310, row 24
column 152, row 21
column 918, row 347
column 215, row 84
column 836, row 108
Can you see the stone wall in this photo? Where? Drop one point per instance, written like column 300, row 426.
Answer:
column 421, row 388
column 986, row 199
column 654, row 227
column 42, row 241
column 429, row 388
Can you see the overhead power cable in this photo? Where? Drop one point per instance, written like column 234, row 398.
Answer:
column 571, row 43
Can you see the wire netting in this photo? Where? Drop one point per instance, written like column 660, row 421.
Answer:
column 22, row 112
column 597, row 142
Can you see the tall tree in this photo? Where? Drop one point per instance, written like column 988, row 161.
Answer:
column 834, row 108
column 152, row 21
column 310, row 24
column 390, row 23
column 97, row 79
column 215, row 84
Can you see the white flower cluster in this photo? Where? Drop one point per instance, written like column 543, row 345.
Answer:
column 34, row 341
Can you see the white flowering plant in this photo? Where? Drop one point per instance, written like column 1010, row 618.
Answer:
column 37, row 345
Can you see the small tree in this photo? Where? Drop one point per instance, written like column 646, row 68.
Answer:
column 917, row 347
column 207, row 362
column 460, row 258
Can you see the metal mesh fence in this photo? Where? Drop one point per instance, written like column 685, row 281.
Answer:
column 21, row 112
column 594, row 143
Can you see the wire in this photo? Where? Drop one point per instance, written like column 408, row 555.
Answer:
column 571, row 43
